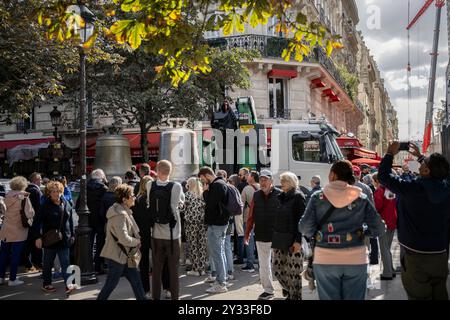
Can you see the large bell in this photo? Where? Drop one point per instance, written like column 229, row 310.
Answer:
column 180, row 147
column 112, row 153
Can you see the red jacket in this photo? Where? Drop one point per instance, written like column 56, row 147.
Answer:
column 387, row 208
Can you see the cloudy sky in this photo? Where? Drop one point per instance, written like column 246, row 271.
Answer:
column 388, row 44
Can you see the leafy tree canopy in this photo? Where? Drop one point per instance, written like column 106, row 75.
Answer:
column 166, row 27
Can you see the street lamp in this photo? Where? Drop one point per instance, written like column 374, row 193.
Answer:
column 55, row 116
column 83, row 249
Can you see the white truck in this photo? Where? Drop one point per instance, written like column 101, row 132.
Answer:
column 306, row 148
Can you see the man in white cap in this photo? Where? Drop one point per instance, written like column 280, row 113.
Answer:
column 261, row 217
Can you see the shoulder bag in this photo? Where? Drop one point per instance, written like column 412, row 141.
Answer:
column 54, row 235
column 133, row 255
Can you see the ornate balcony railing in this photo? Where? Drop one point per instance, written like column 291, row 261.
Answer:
column 272, row 47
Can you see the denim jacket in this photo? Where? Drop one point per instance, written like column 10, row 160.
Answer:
column 346, row 227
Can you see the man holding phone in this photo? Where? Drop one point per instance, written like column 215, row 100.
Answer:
column 423, row 219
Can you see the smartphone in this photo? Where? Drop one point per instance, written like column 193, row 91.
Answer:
column 404, row 146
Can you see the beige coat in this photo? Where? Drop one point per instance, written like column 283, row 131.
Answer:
column 120, row 223
column 12, row 229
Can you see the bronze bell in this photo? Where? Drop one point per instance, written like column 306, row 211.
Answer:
column 112, row 152
column 180, row 146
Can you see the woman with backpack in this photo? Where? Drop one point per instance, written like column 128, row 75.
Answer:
column 339, row 218
column 13, row 234
column 194, row 215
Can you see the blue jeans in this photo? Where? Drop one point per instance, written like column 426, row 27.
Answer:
column 216, row 248
column 16, row 251
column 250, row 249
column 229, row 254
column 115, row 271
column 341, row 282
column 49, row 259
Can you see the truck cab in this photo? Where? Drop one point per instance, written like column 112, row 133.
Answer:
column 306, row 148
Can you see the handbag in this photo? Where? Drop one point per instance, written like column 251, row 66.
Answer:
column 133, row 255
column 53, row 236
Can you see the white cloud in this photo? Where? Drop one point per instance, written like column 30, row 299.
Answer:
column 388, row 45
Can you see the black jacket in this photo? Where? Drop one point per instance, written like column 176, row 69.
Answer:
column 95, row 192
column 108, row 200
column 264, row 213
column 423, row 209
column 215, row 197
column 49, row 217
column 289, row 212
column 142, row 217
column 35, row 196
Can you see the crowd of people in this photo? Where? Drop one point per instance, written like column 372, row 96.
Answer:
column 146, row 225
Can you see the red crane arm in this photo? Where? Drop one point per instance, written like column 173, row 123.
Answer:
column 420, row 13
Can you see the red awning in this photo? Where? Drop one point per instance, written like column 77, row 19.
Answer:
column 370, row 162
column 346, row 142
column 282, row 73
column 365, row 153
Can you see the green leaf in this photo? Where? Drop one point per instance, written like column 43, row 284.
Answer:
column 301, row 18
column 120, row 26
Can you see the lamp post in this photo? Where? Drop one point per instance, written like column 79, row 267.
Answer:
column 83, row 249
column 55, row 116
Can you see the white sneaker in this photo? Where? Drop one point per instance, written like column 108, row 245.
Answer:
column 167, row 294
column 14, row 283
column 148, row 296
column 2, row 280
column 230, row 276
column 193, row 273
column 210, row 279
column 217, row 288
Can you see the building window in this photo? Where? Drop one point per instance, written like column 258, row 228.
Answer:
column 278, row 98
column 306, row 148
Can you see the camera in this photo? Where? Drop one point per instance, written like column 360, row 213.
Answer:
column 404, row 146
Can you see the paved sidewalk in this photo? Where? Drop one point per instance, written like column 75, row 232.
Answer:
column 245, row 287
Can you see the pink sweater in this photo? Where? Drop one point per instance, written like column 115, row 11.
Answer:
column 341, row 194
column 12, row 229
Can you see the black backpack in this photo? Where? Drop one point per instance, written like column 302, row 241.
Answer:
column 160, row 209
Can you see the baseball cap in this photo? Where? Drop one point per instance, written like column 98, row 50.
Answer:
column 356, row 170
column 265, row 173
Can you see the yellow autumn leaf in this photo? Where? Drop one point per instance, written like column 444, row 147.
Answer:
column 239, row 24
column 135, row 35
column 329, row 48
column 90, row 43
column 175, row 15
column 228, row 28
column 254, row 20
column 337, row 45
column 158, row 69
column 111, row 13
